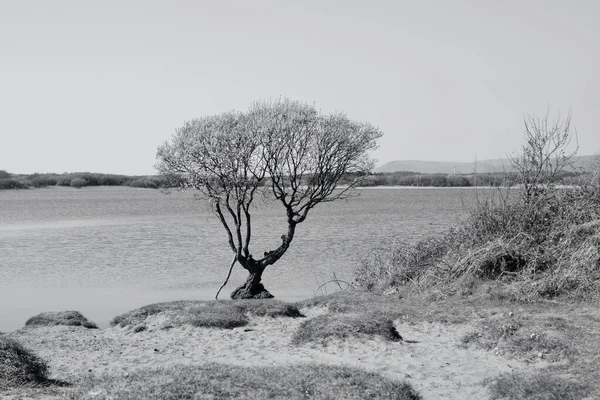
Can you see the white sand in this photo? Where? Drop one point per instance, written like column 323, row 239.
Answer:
column 430, row 357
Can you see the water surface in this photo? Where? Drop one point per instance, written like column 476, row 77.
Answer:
column 104, row 250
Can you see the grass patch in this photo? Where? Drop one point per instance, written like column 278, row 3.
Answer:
column 66, row 318
column 342, row 326
column 226, row 314
column 522, row 337
column 423, row 307
column 19, row 366
column 540, row 386
column 220, row 381
column 348, row 301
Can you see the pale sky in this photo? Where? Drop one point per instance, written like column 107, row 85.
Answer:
column 97, row 85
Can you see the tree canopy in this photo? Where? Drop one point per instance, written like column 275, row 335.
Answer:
column 285, row 150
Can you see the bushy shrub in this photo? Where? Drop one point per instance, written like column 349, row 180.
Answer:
column 78, row 183
column 544, row 248
column 542, row 239
column 142, row 183
column 4, row 174
column 43, row 180
column 457, row 181
column 10, row 183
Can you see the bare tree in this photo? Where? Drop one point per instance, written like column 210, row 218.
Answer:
column 544, row 154
column 288, row 151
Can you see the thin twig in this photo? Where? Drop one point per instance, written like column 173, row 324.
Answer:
column 226, row 279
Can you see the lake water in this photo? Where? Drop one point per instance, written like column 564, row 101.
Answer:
column 104, row 250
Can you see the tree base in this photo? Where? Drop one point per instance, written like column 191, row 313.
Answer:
column 247, row 292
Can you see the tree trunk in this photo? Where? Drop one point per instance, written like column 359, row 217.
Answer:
column 252, row 288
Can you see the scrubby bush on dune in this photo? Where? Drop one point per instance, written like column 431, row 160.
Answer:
column 19, row 366
column 538, row 249
column 539, row 241
column 64, row 318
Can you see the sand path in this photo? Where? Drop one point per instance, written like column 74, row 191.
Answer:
column 430, row 357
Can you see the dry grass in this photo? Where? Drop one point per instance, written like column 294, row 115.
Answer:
column 66, row 318
column 219, row 381
column 19, row 366
column 226, row 314
column 544, row 248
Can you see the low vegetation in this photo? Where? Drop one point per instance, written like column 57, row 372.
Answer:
column 541, row 240
column 226, row 314
column 524, row 247
column 544, row 248
column 78, row 180
column 536, row 386
column 219, row 381
column 343, row 326
column 19, row 366
column 64, row 318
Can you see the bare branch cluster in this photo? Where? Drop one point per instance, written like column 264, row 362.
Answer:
column 545, row 153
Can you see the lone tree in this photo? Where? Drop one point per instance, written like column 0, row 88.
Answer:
column 280, row 150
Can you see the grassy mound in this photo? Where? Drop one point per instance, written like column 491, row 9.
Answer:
column 536, row 387
column 19, row 366
column 342, row 326
column 534, row 247
column 530, row 336
column 66, row 318
column 226, row 314
column 212, row 381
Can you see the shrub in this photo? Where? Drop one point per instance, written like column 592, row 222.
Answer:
column 18, row 365
column 541, row 239
column 457, row 181
column 78, row 183
column 4, row 174
column 43, row 180
column 10, row 183
column 543, row 249
column 142, row 183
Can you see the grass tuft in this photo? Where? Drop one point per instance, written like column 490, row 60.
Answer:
column 66, row 318
column 19, row 366
column 541, row 386
column 220, row 381
column 342, row 326
column 227, row 314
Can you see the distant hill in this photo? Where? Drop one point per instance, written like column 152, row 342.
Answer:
column 449, row 167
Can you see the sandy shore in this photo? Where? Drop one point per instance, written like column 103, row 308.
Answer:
column 430, row 357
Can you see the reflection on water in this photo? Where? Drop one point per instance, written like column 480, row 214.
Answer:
column 106, row 250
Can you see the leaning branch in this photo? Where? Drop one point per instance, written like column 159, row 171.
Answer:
column 226, row 279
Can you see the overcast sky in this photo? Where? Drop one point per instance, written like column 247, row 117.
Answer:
column 97, row 85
